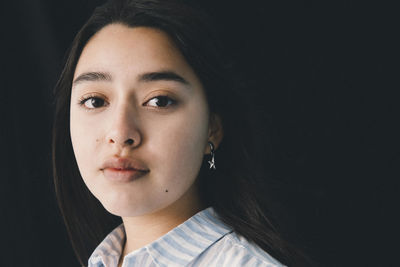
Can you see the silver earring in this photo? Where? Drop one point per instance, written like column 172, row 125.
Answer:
column 212, row 162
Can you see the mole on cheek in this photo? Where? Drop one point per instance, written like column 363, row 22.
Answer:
column 166, row 191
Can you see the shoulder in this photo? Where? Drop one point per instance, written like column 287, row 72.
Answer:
column 234, row 250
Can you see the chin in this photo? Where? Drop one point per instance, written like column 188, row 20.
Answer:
column 126, row 208
column 122, row 210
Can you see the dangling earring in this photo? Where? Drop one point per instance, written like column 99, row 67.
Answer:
column 212, row 162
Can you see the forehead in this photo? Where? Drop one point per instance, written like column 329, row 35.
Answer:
column 122, row 49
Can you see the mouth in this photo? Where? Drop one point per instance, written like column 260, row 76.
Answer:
column 123, row 175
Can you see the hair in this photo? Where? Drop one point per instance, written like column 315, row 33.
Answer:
column 231, row 189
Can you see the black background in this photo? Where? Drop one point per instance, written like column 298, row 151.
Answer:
column 324, row 79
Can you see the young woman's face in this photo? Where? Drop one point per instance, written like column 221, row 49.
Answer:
column 139, row 121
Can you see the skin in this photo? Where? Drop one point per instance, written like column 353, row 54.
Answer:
column 170, row 140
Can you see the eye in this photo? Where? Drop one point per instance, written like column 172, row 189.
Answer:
column 161, row 101
column 92, row 102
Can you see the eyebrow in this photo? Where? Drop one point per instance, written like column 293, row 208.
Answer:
column 145, row 77
column 162, row 76
column 92, row 77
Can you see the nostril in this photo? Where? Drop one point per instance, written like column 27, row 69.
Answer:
column 127, row 142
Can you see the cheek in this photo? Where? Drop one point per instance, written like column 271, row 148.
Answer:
column 83, row 143
column 179, row 145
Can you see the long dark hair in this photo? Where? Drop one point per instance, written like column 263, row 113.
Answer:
column 231, row 189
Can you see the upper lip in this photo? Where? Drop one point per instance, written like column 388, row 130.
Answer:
column 124, row 163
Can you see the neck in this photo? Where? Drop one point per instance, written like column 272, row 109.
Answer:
column 142, row 230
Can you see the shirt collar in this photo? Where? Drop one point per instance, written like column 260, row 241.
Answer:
column 178, row 247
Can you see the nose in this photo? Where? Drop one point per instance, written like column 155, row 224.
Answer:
column 124, row 128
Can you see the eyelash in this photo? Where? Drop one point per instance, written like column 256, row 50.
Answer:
column 83, row 100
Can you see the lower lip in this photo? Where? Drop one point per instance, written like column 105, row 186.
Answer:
column 123, row 175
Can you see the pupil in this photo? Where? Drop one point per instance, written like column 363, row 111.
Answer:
column 162, row 101
column 96, row 102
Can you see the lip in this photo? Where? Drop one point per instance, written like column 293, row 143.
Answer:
column 124, row 163
column 123, row 169
column 123, row 175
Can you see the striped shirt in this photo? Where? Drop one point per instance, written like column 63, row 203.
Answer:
column 202, row 240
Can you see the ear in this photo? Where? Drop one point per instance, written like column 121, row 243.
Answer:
column 215, row 132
